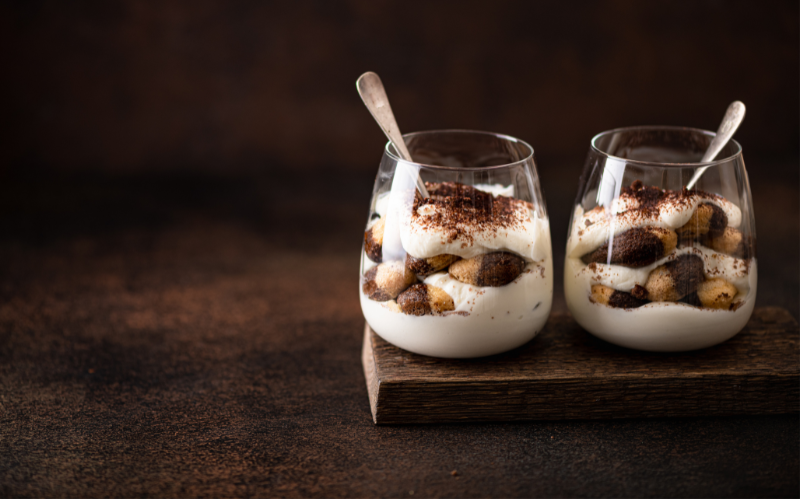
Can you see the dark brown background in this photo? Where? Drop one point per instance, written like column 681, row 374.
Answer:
column 183, row 189
column 241, row 86
column 263, row 93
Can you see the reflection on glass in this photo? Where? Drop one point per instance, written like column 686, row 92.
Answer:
column 650, row 264
column 467, row 271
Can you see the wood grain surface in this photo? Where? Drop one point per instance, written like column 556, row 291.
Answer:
column 565, row 373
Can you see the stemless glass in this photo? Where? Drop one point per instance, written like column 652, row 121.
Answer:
column 467, row 271
column 650, row 264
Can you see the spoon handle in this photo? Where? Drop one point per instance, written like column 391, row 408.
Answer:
column 730, row 122
column 371, row 90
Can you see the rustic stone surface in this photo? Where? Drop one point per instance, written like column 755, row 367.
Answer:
column 209, row 347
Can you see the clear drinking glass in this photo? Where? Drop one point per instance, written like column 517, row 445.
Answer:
column 467, row 271
column 651, row 264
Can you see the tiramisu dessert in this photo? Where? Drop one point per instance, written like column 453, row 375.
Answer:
column 660, row 270
column 465, row 272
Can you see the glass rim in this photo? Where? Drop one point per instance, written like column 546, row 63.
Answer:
column 388, row 149
column 709, row 133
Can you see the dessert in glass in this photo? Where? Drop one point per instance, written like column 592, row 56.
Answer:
column 654, row 265
column 467, row 270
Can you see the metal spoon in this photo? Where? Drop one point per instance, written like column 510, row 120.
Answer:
column 371, row 90
column 730, row 122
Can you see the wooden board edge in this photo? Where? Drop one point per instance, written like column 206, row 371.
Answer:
column 370, row 372
column 505, row 403
column 786, row 400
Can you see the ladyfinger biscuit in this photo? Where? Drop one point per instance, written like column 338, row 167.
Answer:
column 607, row 296
column 676, row 279
column 636, row 247
column 716, row 293
column 373, row 241
column 707, row 219
column 731, row 242
column 385, row 281
column 425, row 267
column 422, row 299
column 490, row 269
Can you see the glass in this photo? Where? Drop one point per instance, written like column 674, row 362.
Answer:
column 468, row 271
column 650, row 264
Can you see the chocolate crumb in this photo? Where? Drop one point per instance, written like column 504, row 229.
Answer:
column 625, row 300
column 736, row 305
column 639, row 292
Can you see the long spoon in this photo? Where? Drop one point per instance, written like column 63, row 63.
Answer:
column 730, row 122
column 371, row 90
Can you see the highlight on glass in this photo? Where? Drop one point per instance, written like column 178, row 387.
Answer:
column 651, row 264
column 465, row 269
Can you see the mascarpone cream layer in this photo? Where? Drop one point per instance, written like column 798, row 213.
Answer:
column 528, row 235
column 604, row 224
column 530, row 288
column 529, row 238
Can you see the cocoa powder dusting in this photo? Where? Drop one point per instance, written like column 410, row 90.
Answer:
column 649, row 200
column 462, row 211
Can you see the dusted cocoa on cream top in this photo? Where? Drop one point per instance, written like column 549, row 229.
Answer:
column 639, row 206
column 462, row 220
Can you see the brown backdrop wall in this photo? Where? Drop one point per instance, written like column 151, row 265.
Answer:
column 238, row 86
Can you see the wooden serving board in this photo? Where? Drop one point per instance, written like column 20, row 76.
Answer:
column 566, row 373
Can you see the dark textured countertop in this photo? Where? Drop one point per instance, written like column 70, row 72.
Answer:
column 201, row 337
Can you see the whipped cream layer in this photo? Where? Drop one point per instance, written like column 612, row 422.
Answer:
column 429, row 229
column 528, row 237
column 592, row 229
column 659, row 326
column 477, row 300
column 503, row 224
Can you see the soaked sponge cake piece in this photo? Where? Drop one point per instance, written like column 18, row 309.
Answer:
column 635, row 247
column 490, row 269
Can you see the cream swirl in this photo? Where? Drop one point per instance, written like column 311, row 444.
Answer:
column 488, row 222
column 671, row 210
